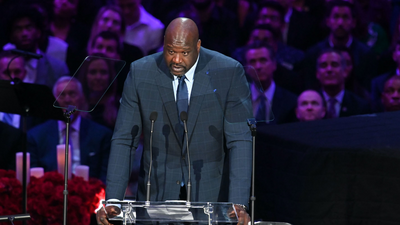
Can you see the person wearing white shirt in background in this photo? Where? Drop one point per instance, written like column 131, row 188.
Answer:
column 143, row 29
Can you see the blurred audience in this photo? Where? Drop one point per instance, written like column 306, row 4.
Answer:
column 14, row 69
column 266, row 95
column 90, row 142
column 340, row 19
column 310, row 106
column 218, row 26
column 110, row 18
column 24, row 30
column 96, row 76
column 142, row 29
column 332, row 75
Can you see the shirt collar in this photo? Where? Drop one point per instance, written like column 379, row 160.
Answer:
column 269, row 93
column 338, row 97
column 76, row 124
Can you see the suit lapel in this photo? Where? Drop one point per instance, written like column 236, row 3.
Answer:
column 199, row 90
column 164, row 83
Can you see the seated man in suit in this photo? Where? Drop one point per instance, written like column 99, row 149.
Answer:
column 271, row 103
column 332, row 75
column 391, row 94
column 90, row 142
column 310, row 106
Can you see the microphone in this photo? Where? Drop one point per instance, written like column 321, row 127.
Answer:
column 26, row 54
column 184, row 117
column 153, row 118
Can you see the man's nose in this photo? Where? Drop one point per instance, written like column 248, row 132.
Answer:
column 177, row 59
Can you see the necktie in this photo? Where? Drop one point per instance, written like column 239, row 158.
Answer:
column 8, row 118
column 182, row 97
column 261, row 115
column 331, row 108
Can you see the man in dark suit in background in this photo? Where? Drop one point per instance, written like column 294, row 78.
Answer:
column 212, row 88
column 90, row 142
column 271, row 103
column 331, row 75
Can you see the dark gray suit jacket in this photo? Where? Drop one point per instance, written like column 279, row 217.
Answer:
column 219, row 138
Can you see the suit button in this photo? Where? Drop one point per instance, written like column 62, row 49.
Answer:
column 178, row 182
column 183, row 157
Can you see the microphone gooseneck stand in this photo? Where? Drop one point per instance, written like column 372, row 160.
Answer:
column 184, row 118
column 70, row 110
column 253, row 128
column 153, row 118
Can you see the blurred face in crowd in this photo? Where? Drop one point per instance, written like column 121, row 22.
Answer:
column 391, row 94
column 71, row 95
column 16, row 68
column 65, row 8
column 396, row 55
column 262, row 36
column 310, row 106
column 25, row 34
column 270, row 16
column 341, row 22
column 181, row 49
column 108, row 47
column 111, row 21
column 264, row 66
column 130, row 9
column 98, row 75
column 330, row 71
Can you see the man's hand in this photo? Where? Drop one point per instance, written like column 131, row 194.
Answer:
column 243, row 216
column 101, row 215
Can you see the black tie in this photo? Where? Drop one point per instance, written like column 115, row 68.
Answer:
column 182, row 97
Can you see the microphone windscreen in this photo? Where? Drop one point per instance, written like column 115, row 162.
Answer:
column 153, row 116
column 184, row 116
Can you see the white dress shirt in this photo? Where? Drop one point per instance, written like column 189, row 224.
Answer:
column 74, row 138
column 147, row 33
column 189, row 80
column 339, row 100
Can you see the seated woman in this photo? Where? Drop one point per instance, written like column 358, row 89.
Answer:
column 96, row 75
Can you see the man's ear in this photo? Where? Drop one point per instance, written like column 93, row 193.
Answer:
column 198, row 45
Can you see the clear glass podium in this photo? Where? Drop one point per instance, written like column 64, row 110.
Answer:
column 175, row 212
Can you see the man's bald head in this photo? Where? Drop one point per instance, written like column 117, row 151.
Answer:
column 181, row 45
column 182, row 28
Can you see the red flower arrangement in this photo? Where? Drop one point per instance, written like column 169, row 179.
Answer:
column 45, row 198
column 10, row 194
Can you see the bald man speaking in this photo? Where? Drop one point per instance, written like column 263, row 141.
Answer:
column 212, row 89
